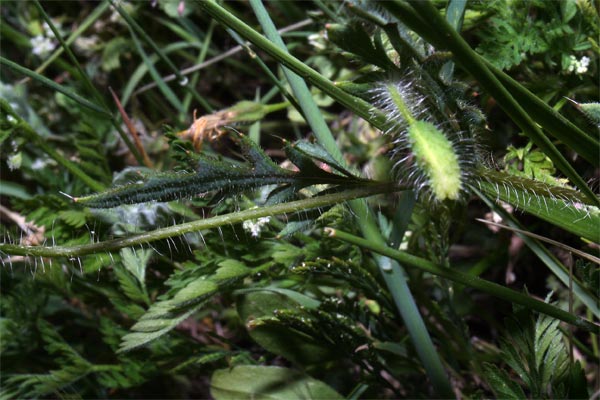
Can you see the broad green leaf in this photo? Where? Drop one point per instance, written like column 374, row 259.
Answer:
column 259, row 382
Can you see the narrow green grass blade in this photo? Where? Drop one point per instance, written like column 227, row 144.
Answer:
column 85, row 24
column 357, row 105
column 455, row 12
column 468, row 280
column 84, row 76
column 299, row 87
column 142, row 69
column 205, row 46
column 138, row 29
column 162, row 86
column 55, row 86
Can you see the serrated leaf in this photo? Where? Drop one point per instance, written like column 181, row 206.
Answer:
column 225, row 177
column 74, row 218
column 194, row 292
column 230, row 269
column 296, row 347
column 502, row 384
column 137, row 339
column 550, row 351
column 592, row 111
column 130, row 285
column 202, row 360
column 136, row 261
column 352, row 38
column 259, row 382
column 563, row 207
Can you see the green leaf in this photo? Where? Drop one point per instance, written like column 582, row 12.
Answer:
column 135, row 261
column 577, row 382
column 112, row 52
column 229, row 270
column 353, row 38
column 165, row 315
column 302, row 299
column 223, row 176
column 295, row 346
column 592, row 111
column 502, row 384
column 259, row 382
column 560, row 206
column 74, row 218
column 550, row 350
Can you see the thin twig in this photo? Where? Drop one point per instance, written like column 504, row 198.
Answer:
column 545, row 239
column 218, row 58
column 132, row 130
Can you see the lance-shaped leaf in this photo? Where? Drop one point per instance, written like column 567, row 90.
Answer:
column 227, row 177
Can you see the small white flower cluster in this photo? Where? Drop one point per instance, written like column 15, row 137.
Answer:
column 254, row 226
column 43, row 44
column 578, row 66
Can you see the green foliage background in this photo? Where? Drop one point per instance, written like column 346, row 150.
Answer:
column 182, row 299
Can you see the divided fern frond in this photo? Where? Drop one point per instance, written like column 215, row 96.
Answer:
column 536, row 353
column 164, row 315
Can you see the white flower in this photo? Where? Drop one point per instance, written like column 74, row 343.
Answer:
column 254, row 226
column 583, row 65
column 39, row 164
column 42, row 45
column 578, row 66
column 14, row 161
column 12, row 120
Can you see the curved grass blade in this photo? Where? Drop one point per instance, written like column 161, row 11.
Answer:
column 468, row 280
column 55, row 86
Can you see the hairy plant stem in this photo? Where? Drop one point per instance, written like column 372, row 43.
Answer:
column 469, row 280
column 209, row 223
